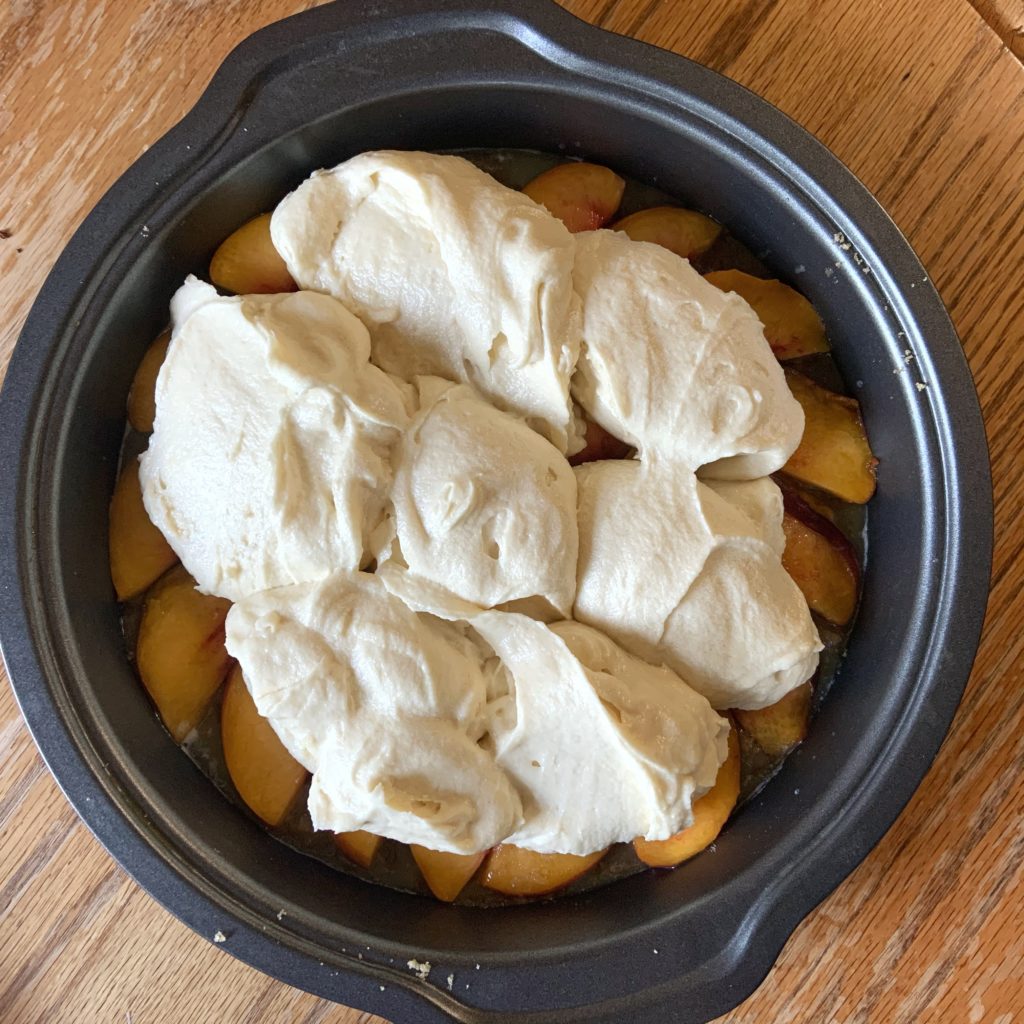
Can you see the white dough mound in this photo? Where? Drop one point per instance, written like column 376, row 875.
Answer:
column 465, row 640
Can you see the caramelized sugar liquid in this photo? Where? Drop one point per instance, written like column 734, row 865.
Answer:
column 393, row 865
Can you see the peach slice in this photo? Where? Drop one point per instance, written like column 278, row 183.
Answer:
column 834, row 453
column 180, row 655
column 782, row 725
column 710, row 813
column 266, row 776
column 582, row 196
column 685, row 232
column 599, row 445
column 139, row 554
column 820, row 560
column 791, row 324
column 142, row 397
column 446, row 873
column 359, row 846
column 247, row 263
column 815, row 501
column 514, row 871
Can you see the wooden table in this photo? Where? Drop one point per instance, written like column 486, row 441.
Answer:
column 924, row 99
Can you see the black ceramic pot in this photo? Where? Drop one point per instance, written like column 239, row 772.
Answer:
column 676, row 947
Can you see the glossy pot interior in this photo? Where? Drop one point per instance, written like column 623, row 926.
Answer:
column 309, row 92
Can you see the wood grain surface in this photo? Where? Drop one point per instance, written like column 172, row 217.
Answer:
column 924, row 100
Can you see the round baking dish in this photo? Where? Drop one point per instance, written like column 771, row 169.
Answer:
column 681, row 946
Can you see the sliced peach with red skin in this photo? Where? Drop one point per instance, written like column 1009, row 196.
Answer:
column 815, row 501
column 687, row 233
column 139, row 554
column 359, row 846
column 267, row 777
column 599, row 444
column 142, row 397
column 514, row 871
column 781, row 726
column 791, row 324
column 180, row 654
column 247, row 263
column 820, row 560
column 582, row 196
column 446, row 873
column 834, row 453
column 710, row 813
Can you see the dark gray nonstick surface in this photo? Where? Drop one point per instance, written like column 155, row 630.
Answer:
column 677, row 947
